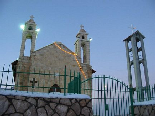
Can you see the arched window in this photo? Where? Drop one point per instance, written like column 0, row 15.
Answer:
column 55, row 88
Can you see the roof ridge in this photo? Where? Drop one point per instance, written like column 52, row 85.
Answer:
column 59, row 43
column 44, row 47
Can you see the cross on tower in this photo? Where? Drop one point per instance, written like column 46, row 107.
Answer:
column 82, row 27
column 32, row 17
column 33, row 82
column 132, row 28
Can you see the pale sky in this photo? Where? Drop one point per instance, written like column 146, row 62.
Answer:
column 106, row 21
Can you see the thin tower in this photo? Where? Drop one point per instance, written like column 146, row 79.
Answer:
column 132, row 47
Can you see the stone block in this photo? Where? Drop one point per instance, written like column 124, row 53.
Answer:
column 20, row 106
column 20, row 97
column 50, row 112
column 31, row 111
column 149, row 108
column 10, row 110
column 4, row 104
column 85, row 111
column 71, row 113
column 89, row 104
column 83, row 103
column 61, row 110
column 142, row 110
column 53, row 105
column 145, row 113
column 41, row 103
column 65, row 101
column 136, row 111
column 41, row 112
column 152, row 113
column 32, row 101
column 55, row 100
column 55, row 114
column 76, row 108
column 16, row 114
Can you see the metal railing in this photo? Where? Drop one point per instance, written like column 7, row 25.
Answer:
column 40, row 81
column 111, row 97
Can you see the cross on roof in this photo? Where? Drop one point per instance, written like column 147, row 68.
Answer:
column 132, row 28
column 82, row 27
column 31, row 16
column 33, row 82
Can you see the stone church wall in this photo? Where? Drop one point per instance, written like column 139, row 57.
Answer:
column 49, row 60
column 35, row 106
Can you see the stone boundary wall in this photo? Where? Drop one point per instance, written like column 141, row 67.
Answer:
column 144, row 110
column 38, row 106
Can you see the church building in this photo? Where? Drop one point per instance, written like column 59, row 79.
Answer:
column 51, row 59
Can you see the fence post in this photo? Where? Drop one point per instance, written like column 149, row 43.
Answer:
column 131, row 100
column 70, row 75
column 105, row 104
column 79, row 83
column 148, row 92
column 65, row 81
column 74, row 83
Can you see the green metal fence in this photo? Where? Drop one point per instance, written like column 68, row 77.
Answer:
column 56, row 82
column 111, row 97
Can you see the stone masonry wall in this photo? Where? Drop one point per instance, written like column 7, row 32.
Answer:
column 35, row 106
column 49, row 59
column 144, row 110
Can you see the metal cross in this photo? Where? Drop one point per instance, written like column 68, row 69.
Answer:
column 31, row 16
column 33, row 82
column 132, row 28
column 82, row 26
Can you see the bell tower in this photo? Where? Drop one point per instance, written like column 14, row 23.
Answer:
column 29, row 32
column 24, row 62
column 82, row 46
column 135, row 54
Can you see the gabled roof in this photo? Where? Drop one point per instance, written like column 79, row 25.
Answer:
column 135, row 33
column 59, row 43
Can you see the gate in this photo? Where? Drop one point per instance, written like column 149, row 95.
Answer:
column 75, row 85
column 110, row 97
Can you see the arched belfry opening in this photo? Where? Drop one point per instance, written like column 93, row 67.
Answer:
column 82, row 37
column 82, row 46
column 27, row 48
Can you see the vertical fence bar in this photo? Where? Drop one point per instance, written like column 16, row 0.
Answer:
column 65, row 81
column 70, row 75
column 84, row 85
column 79, row 83
column 131, row 100
column 59, row 77
column 39, row 80
column 105, row 104
column 49, row 83
column 74, row 83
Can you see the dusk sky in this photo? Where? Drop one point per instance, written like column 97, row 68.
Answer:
column 106, row 21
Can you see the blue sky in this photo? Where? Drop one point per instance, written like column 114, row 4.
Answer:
column 106, row 21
